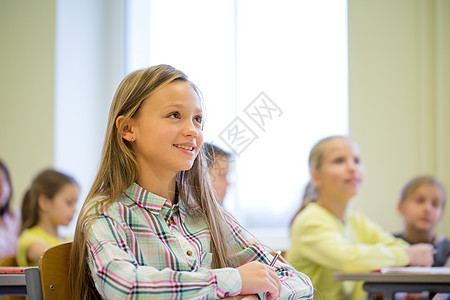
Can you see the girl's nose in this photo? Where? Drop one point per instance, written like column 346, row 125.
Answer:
column 351, row 165
column 190, row 130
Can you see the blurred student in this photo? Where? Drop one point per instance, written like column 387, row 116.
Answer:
column 49, row 203
column 421, row 204
column 327, row 237
column 218, row 161
column 9, row 218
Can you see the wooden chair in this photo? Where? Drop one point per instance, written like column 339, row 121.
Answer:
column 54, row 271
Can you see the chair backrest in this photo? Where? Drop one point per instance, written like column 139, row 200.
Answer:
column 54, row 269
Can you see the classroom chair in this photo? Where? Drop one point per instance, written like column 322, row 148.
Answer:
column 54, row 271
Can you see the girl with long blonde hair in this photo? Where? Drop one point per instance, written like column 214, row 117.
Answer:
column 150, row 227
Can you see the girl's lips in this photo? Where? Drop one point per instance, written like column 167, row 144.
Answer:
column 427, row 220
column 353, row 181
column 185, row 149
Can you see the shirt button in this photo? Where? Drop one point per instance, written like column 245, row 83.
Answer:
column 189, row 253
column 171, row 221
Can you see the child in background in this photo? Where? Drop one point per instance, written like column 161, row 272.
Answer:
column 150, row 227
column 9, row 219
column 50, row 202
column 218, row 161
column 421, row 205
column 327, row 238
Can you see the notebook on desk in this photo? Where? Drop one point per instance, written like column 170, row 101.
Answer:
column 416, row 270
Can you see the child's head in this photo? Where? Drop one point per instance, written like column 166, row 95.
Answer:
column 5, row 189
column 421, row 203
column 336, row 171
column 335, row 167
column 219, row 165
column 143, row 119
column 52, row 195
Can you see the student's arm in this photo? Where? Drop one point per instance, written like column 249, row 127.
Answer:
column 29, row 249
column 35, row 251
column 374, row 233
column 294, row 284
column 319, row 239
column 117, row 274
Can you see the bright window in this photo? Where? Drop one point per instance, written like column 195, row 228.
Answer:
column 274, row 78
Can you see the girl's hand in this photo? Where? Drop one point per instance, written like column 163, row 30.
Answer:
column 420, row 255
column 259, row 278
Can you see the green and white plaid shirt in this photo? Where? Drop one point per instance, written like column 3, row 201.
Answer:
column 143, row 247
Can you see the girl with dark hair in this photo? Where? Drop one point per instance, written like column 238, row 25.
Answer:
column 9, row 219
column 50, row 202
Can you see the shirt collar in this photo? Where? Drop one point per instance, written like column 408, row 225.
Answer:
column 154, row 203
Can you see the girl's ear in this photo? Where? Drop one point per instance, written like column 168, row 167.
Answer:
column 127, row 133
column 43, row 202
column 315, row 178
column 400, row 207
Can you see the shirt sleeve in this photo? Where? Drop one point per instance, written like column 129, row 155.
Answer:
column 295, row 285
column 319, row 240
column 117, row 275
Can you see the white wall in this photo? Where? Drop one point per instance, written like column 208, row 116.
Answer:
column 89, row 66
column 27, row 33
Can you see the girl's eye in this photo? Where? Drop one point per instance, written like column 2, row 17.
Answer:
column 357, row 160
column 435, row 203
column 198, row 119
column 420, row 200
column 175, row 115
column 339, row 160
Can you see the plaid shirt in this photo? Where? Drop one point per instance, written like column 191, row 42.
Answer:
column 143, row 247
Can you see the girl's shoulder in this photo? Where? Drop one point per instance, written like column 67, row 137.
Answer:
column 36, row 234
column 314, row 216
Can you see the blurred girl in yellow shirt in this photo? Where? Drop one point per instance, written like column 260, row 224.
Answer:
column 326, row 237
column 49, row 203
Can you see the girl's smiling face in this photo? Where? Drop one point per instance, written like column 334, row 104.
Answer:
column 167, row 129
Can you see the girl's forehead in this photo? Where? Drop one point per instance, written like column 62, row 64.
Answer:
column 430, row 188
column 341, row 146
column 177, row 93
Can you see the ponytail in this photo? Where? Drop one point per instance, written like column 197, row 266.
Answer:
column 30, row 210
column 309, row 196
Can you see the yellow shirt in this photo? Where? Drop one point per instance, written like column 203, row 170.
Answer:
column 322, row 245
column 29, row 237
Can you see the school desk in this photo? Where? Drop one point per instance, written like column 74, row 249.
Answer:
column 389, row 281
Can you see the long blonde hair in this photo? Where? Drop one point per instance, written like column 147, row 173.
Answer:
column 119, row 169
